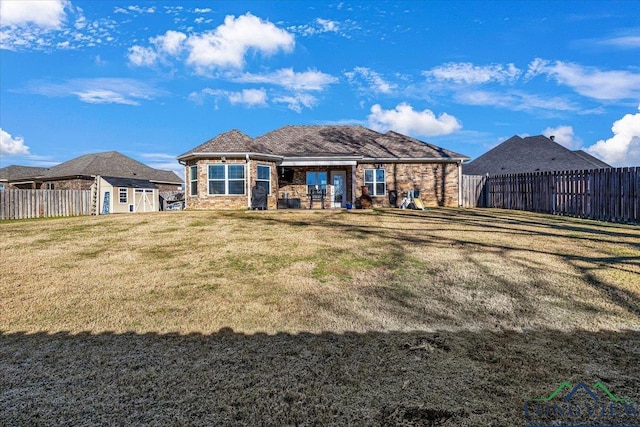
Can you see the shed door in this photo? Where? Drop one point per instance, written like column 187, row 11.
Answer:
column 144, row 200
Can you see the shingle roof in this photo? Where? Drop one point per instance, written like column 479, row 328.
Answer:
column 530, row 154
column 326, row 141
column 110, row 163
column 128, row 182
column 232, row 141
column 597, row 163
column 15, row 172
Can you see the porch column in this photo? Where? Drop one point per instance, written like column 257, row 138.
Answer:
column 353, row 183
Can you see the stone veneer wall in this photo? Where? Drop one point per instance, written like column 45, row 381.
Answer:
column 206, row 201
column 437, row 182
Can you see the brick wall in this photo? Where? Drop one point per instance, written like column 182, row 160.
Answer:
column 204, row 200
column 437, row 182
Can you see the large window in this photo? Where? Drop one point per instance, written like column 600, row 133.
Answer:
column 226, row 179
column 316, row 180
column 193, row 180
column 123, row 195
column 264, row 178
column 375, row 180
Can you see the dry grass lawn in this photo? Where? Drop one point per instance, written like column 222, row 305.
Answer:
column 443, row 317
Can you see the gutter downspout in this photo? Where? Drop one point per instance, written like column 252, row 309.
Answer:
column 248, row 166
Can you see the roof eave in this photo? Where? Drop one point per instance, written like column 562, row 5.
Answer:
column 232, row 154
column 415, row 159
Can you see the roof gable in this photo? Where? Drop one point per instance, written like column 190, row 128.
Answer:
column 530, row 154
column 232, row 141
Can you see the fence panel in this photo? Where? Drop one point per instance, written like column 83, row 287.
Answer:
column 20, row 204
column 611, row 194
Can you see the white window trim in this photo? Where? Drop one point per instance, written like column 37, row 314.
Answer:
column 264, row 180
column 227, row 179
column 193, row 186
column 126, row 194
column 374, row 182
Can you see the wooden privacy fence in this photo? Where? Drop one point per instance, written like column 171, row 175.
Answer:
column 602, row 194
column 474, row 191
column 19, row 204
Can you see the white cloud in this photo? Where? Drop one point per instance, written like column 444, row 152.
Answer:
column 589, row 81
column 564, row 136
column 623, row 148
column 11, row 146
column 202, row 10
column 142, row 56
column 227, row 45
column 310, row 80
column 327, row 25
column 297, row 102
column 42, row 13
column 404, row 119
column 247, row 97
column 625, row 42
column 374, row 82
column 99, row 91
column 515, row 100
column 467, row 73
column 171, row 42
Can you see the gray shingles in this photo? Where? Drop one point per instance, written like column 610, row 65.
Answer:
column 325, row 141
column 530, row 154
column 15, row 172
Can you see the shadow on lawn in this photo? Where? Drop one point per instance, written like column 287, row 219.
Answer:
column 417, row 229
column 397, row 378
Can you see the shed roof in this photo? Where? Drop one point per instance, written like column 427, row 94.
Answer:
column 530, row 154
column 128, row 182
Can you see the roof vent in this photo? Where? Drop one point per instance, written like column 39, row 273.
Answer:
column 552, row 137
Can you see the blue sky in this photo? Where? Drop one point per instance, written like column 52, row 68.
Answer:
column 155, row 79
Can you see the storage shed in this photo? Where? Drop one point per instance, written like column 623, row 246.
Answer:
column 127, row 195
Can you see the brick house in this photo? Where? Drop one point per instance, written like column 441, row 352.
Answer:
column 296, row 164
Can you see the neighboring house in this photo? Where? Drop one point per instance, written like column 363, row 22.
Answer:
column 80, row 173
column 531, row 154
column 293, row 162
column 131, row 186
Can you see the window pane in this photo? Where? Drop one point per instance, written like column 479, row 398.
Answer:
column 322, row 178
column 194, row 188
column 368, row 175
column 380, row 189
column 265, row 185
column 236, row 187
column 370, row 187
column 216, row 171
column 193, row 173
column 216, row 187
column 264, row 173
column 311, row 178
column 379, row 175
column 236, row 172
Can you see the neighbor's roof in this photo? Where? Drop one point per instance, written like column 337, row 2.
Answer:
column 16, row 173
column 531, row 154
column 110, row 163
column 325, row 141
